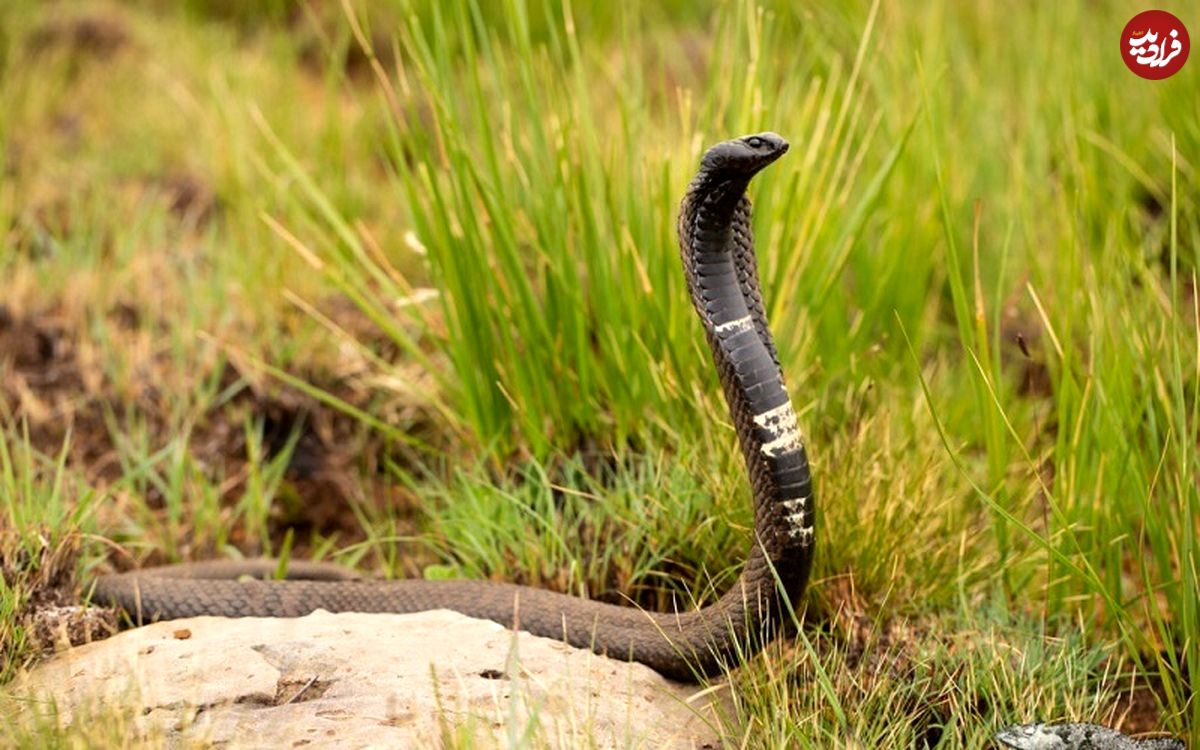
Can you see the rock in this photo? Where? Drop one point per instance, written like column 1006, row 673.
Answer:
column 1078, row 737
column 379, row 680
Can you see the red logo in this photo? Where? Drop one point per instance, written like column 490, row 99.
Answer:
column 1155, row 44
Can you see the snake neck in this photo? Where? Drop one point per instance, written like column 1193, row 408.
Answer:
column 710, row 207
column 717, row 249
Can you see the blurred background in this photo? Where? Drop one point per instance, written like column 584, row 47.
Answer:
column 397, row 283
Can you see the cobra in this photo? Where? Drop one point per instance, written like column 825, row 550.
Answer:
column 722, row 279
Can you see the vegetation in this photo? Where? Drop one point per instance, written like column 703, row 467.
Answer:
column 398, row 284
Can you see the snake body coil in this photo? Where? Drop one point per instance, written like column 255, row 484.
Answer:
column 719, row 263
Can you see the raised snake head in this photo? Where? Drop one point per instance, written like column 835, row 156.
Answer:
column 744, row 156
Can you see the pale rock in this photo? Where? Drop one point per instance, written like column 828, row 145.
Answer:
column 370, row 680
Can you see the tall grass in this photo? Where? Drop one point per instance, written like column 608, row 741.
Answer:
column 549, row 218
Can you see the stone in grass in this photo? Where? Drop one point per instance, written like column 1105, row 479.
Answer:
column 359, row 680
column 1077, row 737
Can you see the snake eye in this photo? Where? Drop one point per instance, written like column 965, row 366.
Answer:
column 754, row 142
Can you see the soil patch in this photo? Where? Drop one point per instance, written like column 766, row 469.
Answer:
column 97, row 35
column 63, row 398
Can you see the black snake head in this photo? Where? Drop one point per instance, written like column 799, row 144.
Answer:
column 743, row 156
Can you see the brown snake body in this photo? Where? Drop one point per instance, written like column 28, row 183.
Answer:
column 719, row 264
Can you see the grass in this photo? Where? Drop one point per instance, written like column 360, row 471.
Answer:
column 979, row 259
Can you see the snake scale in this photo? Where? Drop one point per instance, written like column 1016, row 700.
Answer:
column 719, row 264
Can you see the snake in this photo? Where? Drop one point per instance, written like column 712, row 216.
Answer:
column 689, row 643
